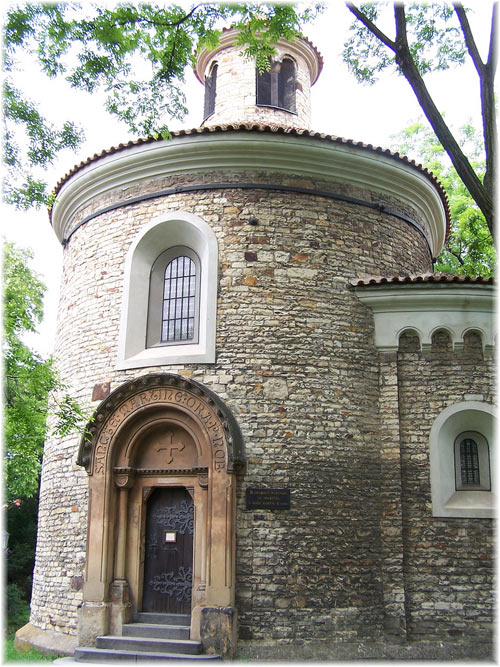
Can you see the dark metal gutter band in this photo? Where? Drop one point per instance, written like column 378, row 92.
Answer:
column 249, row 186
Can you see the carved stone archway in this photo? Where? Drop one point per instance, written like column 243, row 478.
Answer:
column 160, row 430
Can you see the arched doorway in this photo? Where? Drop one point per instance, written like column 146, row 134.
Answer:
column 161, row 450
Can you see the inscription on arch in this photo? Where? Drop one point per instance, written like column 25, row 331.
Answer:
column 199, row 408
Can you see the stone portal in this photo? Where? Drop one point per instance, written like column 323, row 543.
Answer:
column 161, row 454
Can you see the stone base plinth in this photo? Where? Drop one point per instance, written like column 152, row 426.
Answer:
column 48, row 642
column 218, row 630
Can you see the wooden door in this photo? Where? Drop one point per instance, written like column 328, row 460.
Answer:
column 168, row 566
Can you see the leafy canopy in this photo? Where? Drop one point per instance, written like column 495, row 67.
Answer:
column 436, row 43
column 426, row 37
column 470, row 249
column 28, row 380
column 137, row 54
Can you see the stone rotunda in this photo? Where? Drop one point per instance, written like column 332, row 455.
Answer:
column 291, row 446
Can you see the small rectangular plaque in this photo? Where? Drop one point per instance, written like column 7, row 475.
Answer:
column 171, row 536
column 267, row 499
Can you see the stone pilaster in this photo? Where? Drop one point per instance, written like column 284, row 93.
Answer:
column 391, row 521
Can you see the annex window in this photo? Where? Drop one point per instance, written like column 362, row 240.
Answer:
column 210, row 91
column 472, row 462
column 174, row 298
column 462, row 461
column 276, row 88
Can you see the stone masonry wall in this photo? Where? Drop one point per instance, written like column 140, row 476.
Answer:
column 296, row 365
column 448, row 566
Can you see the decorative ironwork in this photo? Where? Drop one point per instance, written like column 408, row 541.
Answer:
column 179, row 587
column 179, row 517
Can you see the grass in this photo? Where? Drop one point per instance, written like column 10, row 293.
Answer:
column 11, row 654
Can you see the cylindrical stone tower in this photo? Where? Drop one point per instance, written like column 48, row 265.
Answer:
column 207, row 315
column 281, row 96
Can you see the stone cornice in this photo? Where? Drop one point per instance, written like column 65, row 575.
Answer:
column 345, row 164
column 455, row 307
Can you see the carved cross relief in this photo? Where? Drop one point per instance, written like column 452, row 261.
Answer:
column 167, row 444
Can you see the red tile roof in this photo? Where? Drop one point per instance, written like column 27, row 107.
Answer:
column 423, row 278
column 269, row 127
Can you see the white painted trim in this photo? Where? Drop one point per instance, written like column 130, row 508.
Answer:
column 457, row 308
column 229, row 151
column 453, row 420
column 163, row 232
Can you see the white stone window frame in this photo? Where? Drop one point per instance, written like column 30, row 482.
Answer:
column 166, row 231
column 452, row 422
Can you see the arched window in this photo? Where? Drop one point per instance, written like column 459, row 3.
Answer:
column 462, row 462
column 472, row 462
column 276, row 88
column 173, row 313
column 210, row 91
column 170, row 294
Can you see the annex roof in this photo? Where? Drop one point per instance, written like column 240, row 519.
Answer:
column 425, row 278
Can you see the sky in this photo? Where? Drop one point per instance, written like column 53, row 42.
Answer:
column 340, row 106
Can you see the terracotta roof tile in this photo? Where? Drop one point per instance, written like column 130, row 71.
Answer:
column 257, row 127
column 373, row 281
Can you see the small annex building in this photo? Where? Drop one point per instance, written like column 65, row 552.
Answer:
column 292, row 442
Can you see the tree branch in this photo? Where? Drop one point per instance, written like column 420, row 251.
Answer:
column 469, row 38
column 400, row 20
column 486, row 73
column 493, row 51
column 368, row 23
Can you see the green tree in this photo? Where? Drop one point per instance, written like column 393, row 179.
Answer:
column 28, row 378
column 469, row 249
column 136, row 54
column 21, row 525
column 429, row 37
column 28, row 381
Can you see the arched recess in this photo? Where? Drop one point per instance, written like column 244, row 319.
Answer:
column 160, row 430
column 447, row 499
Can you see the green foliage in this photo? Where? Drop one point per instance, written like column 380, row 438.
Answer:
column 17, row 609
column 28, row 381
column 21, row 525
column 137, row 54
column 11, row 654
column 470, row 249
column 433, row 33
column 28, row 378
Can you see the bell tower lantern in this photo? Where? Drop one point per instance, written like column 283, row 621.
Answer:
column 235, row 92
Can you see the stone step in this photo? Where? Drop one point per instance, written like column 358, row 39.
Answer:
column 157, row 630
column 165, row 619
column 87, row 654
column 149, row 644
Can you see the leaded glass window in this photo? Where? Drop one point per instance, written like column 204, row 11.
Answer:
column 276, row 88
column 469, row 462
column 179, row 295
column 472, row 462
column 174, row 298
column 210, row 92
